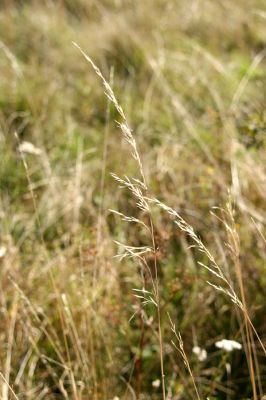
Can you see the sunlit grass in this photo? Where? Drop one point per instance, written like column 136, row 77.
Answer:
column 105, row 289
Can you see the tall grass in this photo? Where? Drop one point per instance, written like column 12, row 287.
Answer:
column 132, row 230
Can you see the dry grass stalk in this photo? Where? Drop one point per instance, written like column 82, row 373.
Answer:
column 136, row 187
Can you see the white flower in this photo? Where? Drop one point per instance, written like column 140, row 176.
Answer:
column 27, row 147
column 200, row 353
column 2, row 251
column 156, row 383
column 228, row 345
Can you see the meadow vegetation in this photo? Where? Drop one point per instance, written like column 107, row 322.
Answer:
column 132, row 199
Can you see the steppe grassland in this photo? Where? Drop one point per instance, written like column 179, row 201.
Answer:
column 190, row 77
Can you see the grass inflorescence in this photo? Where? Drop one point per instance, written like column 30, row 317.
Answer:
column 132, row 200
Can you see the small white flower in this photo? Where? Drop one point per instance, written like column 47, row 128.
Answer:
column 156, row 383
column 27, row 147
column 2, row 251
column 228, row 345
column 200, row 353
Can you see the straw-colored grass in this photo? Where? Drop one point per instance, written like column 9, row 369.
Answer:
column 132, row 200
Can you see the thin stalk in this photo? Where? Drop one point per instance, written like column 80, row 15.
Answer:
column 158, row 310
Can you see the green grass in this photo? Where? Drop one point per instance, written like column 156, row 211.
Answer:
column 190, row 78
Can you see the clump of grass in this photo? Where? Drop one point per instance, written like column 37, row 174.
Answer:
column 82, row 316
column 139, row 191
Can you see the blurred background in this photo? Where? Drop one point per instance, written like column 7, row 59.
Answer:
column 190, row 76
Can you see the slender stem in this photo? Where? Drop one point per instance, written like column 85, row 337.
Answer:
column 158, row 311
